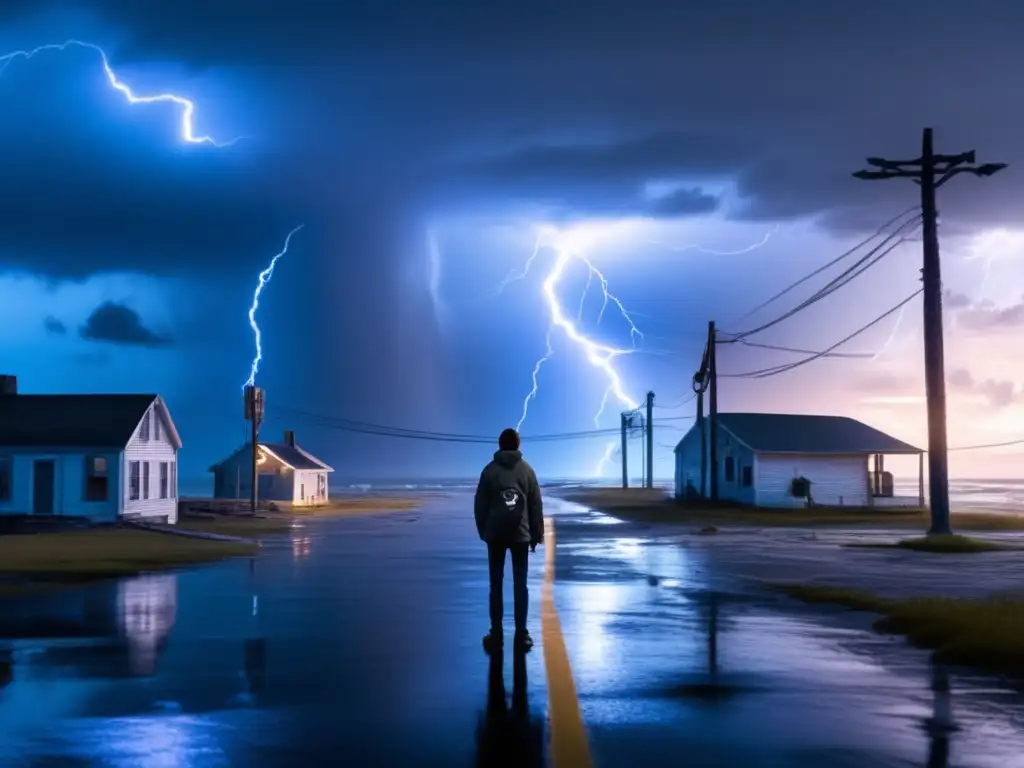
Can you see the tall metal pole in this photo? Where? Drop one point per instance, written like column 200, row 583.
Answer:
column 625, row 447
column 713, row 387
column 650, row 439
column 931, row 171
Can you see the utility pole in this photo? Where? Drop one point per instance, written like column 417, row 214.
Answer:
column 930, row 171
column 702, row 423
column 625, row 446
column 650, row 439
column 254, row 409
column 713, row 387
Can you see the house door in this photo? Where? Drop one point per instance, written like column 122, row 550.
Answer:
column 42, row 487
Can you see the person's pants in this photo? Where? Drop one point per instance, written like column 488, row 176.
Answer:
column 520, row 561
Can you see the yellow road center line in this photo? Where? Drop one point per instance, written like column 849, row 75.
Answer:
column 569, row 747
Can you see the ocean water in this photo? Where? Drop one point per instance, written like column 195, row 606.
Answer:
column 963, row 493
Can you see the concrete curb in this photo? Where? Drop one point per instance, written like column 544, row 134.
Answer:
column 172, row 531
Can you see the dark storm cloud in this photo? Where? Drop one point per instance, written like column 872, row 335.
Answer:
column 954, row 301
column 54, row 326
column 887, row 384
column 987, row 317
column 997, row 393
column 573, row 107
column 119, row 324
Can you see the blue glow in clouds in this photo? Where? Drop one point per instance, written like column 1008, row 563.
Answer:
column 187, row 131
column 264, row 278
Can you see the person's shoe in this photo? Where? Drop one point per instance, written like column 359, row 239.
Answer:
column 523, row 641
column 493, row 642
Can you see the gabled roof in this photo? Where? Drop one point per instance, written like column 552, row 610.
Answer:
column 799, row 433
column 71, row 420
column 292, row 456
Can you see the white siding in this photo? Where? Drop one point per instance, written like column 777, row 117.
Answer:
column 153, row 452
column 310, row 487
column 835, row 480
column 688, row 466
column 69, row 497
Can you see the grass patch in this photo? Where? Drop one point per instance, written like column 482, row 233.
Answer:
column 655, row 506
column 236, row 525
column 360, row 506
column 951, row 544
column 38, row 562
column 985, row 633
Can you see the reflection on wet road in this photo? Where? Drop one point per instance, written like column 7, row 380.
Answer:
column 357, row 642
column 679, row 663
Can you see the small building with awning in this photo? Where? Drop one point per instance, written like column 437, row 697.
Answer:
column 794, row 460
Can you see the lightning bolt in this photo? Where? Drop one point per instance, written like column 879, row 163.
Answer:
column 187, row 108
column 568, row 250
column 264, row 278
column 601, row 356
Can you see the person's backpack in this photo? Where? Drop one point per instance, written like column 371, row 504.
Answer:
column 508, row 510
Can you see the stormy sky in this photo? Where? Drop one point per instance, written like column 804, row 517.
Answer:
column 424, row 144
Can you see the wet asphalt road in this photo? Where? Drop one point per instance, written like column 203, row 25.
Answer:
column 357, row 642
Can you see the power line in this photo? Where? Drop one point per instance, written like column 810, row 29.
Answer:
column 858, row 268
column 987, row 445
column 832, row 263
column 368, row 428
column 775, row 370
column 797, row 350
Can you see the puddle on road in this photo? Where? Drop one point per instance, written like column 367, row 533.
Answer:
column 351, row 642
column 684, row 668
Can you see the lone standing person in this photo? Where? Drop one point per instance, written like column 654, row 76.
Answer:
column 509, row 516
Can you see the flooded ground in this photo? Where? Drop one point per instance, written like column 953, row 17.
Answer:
column 357, row 642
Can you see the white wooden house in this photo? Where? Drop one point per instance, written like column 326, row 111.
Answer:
column 101, row 457
column 760, row 455
column 285, row 473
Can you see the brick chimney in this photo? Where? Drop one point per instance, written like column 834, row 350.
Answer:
column 289, row 438
column 8, row 385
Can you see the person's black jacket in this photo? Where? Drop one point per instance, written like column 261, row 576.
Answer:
column 509, row 469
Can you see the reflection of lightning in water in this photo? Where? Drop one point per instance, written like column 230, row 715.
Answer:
column 569, row 247
column 187, row 107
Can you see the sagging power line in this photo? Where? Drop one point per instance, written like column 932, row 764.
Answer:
column 368, row 428
column 775, row 370
column 890, row 243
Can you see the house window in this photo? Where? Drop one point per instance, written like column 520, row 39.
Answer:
column 730, row 469
column 133, row 480
column 748, row 477
column 165, row 478
column 145, row 479
column 144, row 428
column 96, row 478
column 302, row 491
column 5, row 478
column 156, row 426
column 174, row 480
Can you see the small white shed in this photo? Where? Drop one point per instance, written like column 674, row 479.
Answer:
column 102, row 457
column 771, row 459
column 285, row 472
